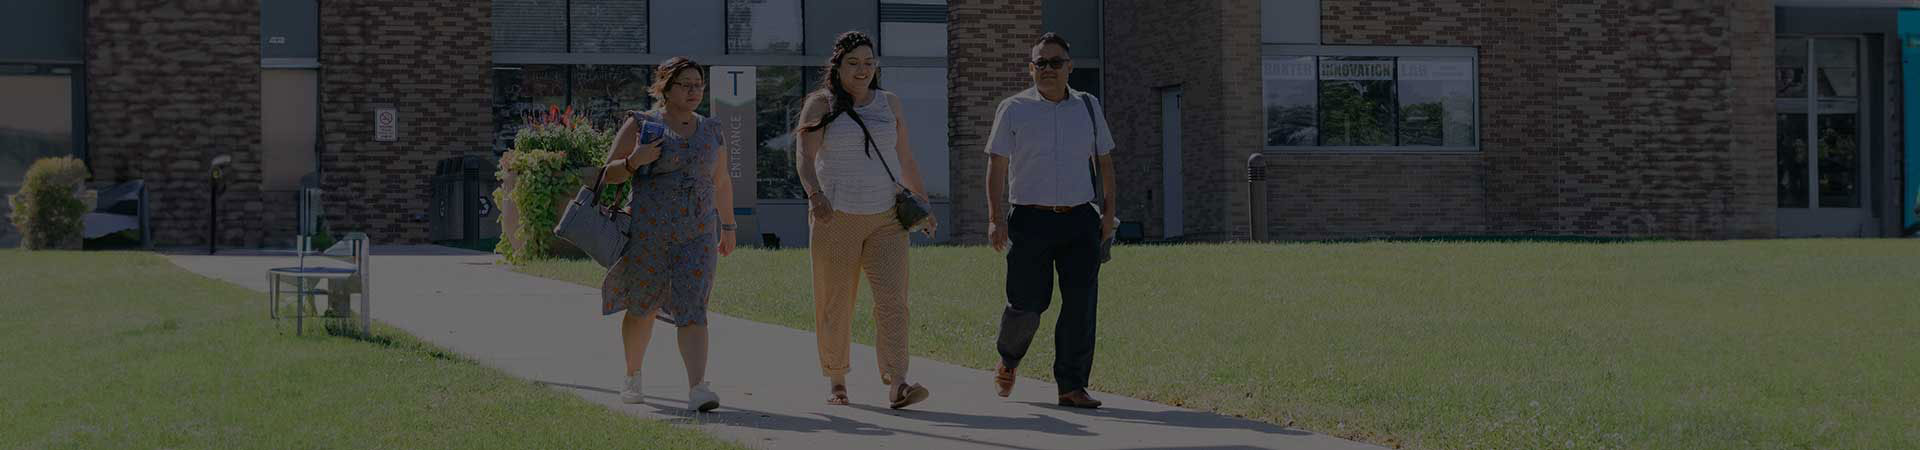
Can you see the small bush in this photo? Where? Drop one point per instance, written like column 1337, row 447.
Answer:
column 542, row 164
column 48, row 209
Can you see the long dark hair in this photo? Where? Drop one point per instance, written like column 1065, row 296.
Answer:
column 830, row 79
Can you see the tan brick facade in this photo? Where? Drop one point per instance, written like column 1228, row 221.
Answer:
column 429, row 60
column 170, row 85
column 987, row 46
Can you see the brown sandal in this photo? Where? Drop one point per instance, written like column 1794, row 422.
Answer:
column 839, row 397
column 907, row 395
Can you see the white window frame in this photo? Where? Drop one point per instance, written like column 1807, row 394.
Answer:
column 1473, row 54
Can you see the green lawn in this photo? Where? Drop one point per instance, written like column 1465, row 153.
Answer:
column 1756, row 344
column 125, row 350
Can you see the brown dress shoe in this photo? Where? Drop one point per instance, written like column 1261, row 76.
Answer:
column 1003, row 378
column 1079, row 399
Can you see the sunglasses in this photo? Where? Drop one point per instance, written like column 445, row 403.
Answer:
column 1051, row 63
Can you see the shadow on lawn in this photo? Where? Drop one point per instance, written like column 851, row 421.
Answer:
column 337, row 327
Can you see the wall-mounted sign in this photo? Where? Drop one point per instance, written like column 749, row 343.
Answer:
column 386, row 124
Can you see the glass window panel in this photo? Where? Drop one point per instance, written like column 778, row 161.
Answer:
column 764, row 27
column 604, row 93
column 1838, row 61
column 913, row 39
column 1790, row 68
column 923, row 99
column 778, row 95
column 289, row 102
column 37, row 123
column 520, row 92
column 609, row 26
column 1436, row 102
column 530, row 26
column 1290, row 99
column 1791, row 151
column 1086, row 80
column 1357, row 101
column 1839, row 160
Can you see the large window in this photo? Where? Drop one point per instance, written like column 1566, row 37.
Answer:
column 604, row 93
column 530, row 26
column 608, row 26
column 1370, row 98
column 764, row 27
column 522, row 91
column 570, row 26
column 779, row 93
column 37, row 121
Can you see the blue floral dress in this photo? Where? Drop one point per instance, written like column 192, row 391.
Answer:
column 669, row 262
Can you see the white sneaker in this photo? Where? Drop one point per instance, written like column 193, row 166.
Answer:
column 631, row 393
column 701, row 398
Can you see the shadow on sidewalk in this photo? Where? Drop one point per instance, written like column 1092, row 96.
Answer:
column 1183, row 419
column 1216, row 447
column 749, row 418
column 1037, row 422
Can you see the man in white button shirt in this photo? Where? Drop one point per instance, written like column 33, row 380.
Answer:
column 1046, row 138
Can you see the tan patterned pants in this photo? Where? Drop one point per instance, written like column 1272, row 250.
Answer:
column 842, row 248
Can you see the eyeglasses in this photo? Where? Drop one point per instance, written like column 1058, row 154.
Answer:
column 1051, row 63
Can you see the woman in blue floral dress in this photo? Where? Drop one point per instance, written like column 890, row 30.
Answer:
column 679, row 229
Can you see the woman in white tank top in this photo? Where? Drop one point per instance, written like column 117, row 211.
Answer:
column 850, row 186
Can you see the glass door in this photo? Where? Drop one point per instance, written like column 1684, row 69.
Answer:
column 1821, row 170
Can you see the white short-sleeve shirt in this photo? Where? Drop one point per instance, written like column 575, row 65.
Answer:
column 1049, row 146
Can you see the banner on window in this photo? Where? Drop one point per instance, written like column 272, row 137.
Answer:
column 1432, row 70
column 1288, row 68
column 1334, row 69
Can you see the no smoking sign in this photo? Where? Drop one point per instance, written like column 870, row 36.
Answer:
column 384, row 124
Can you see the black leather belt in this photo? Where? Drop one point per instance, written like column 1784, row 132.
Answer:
column 1052, row 209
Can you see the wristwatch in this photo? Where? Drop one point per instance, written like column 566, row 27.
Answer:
column 729, row 227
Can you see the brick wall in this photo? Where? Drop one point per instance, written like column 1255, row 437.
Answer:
column 1212, row 54
column 170, row 85
column 429, row 60
column 1752, row 209
column 987, row 45
column 1610, row 118
column 1334, row 196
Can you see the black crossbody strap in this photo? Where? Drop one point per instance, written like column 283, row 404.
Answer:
column 1094, row 124
column 874, row 149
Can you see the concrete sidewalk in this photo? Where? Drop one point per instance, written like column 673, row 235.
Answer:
column 772, row 393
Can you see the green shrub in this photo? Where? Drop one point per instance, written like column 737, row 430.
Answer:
column 48, row 209
column 543, row 166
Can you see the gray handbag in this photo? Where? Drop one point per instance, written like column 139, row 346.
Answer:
column 600, row 231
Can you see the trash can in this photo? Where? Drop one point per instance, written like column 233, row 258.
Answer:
column 464, row 213
column 481, row 221
column 441, row 212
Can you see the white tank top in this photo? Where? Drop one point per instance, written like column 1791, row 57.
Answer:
column 852, row 176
